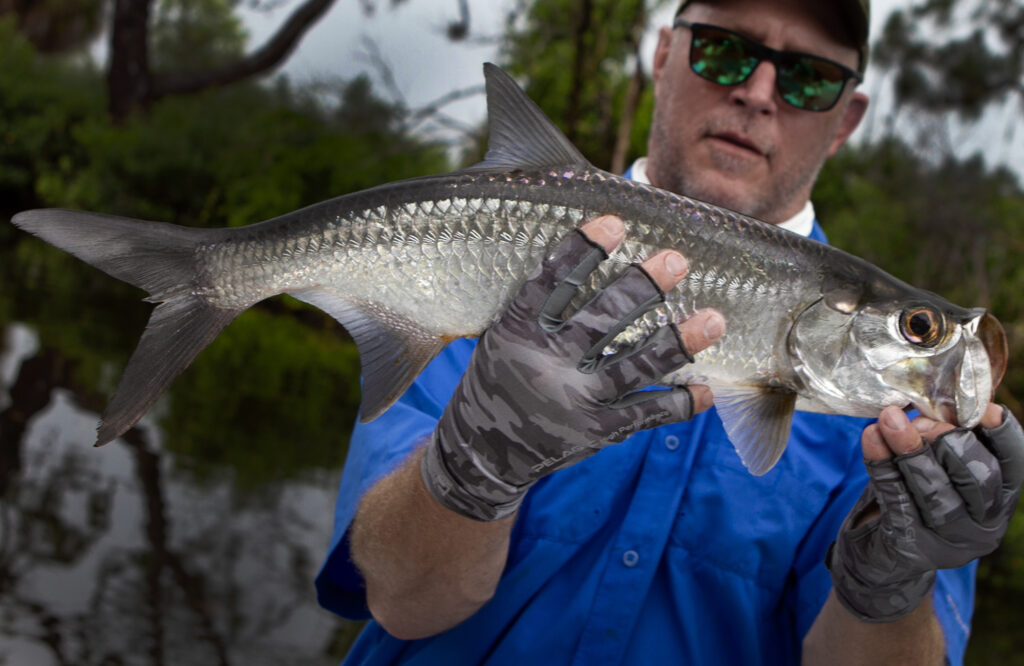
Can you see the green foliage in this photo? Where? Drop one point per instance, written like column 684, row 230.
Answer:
column 996, row 637
column 42, row 101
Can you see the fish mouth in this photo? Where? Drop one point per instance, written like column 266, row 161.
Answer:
column 983, row 365
column 993, row 338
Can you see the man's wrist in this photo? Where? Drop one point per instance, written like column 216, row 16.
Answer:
column 483, row 498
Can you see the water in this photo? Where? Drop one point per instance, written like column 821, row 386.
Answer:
column 135, row 553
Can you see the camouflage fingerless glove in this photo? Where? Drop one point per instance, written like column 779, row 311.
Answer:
column 941, row 507
column 538, row 394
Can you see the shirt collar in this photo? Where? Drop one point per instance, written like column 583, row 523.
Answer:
column 802, row 223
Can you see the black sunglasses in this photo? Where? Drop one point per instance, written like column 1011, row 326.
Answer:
column 728, row 58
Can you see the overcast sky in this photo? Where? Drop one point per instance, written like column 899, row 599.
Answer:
column 426, row 64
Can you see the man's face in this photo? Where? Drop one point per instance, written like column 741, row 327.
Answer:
column 743, row 147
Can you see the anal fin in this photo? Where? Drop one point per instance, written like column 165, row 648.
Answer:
column 757, row 420
column 393, row 349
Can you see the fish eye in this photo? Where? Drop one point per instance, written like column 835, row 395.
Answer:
column 922, row 326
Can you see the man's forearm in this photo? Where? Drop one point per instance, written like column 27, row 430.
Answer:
column 837, row 638
column 426, row 568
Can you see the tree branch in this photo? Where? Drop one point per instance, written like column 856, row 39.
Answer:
column 433, row 108
column 263, row 59
column 372, row 55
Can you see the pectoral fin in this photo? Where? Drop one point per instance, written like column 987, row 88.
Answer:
column 757, row 420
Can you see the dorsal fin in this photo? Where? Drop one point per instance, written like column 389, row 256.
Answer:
column 521, row 136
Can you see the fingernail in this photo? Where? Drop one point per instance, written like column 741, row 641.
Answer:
column 923, row 424
column 714, row 327
column 894, row 419
column 675, row 263
column 613, row 225
column 873, row 445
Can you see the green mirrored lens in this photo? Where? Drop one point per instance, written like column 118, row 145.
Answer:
column 810, row 83
column 721, row 58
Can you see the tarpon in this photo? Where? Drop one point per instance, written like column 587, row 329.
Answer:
column 408, row 266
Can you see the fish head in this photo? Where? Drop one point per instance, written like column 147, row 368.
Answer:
column 921, row 352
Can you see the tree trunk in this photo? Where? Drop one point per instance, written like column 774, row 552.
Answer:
column 631, row 104
column 129, row 82
column 572, row 114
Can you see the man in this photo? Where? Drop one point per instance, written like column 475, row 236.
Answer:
column 663, row 548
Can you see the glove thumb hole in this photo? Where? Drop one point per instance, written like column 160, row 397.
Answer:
column 867, row 513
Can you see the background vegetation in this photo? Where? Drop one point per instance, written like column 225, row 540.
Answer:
column 200, row 140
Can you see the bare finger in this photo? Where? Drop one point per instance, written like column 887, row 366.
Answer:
column 702, row 398
column 892, row 436
column 667, row 268
column 607, row 231
column 873, row 446
column 993, row 417
column 702, row 330
column 930, row 429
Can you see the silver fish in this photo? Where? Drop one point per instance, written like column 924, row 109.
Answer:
column 408, row 266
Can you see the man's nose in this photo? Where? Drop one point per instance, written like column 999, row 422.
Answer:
column 758, row 91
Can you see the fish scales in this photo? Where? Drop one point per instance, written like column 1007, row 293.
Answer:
column 406, row 267
column 417, row 248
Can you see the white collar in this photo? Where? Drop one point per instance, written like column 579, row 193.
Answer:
column 802, row 223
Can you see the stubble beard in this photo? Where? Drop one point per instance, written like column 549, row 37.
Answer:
column 782, row 198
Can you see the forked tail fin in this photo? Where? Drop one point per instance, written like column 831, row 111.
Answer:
column 161, row 259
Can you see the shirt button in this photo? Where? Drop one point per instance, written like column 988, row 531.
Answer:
column 630, row 558
column 672, row 442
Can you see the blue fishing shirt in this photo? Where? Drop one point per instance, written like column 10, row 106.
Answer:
column 663, row 549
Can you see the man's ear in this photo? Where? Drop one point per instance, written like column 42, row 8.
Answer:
column 661, row 53
column 852, row 116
